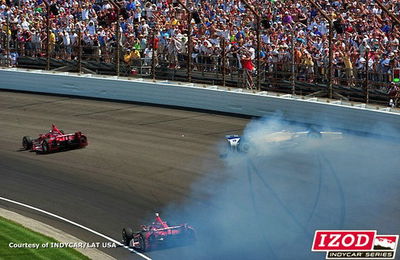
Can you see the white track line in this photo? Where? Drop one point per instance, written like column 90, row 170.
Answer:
column 78, row 225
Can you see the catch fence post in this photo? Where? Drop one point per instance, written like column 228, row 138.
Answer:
column 8, row 57
column 258, row 29
column 258, row 53
column 330, row 84
column 48, row 36
column 117, row 35
column 79, row 50
column 366, row 77
column 293, row 62
column 223, row 44
column 330, row 39
column 153, row 54
column 189, row 43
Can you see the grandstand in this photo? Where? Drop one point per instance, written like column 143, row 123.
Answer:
column 336, row 48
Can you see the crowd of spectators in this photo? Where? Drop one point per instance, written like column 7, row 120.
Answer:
column 363, row 34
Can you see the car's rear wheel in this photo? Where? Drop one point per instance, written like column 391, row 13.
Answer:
column 143, row 246
column 190, row 236
column 244, row 147
column 127, row 235
column 314, row 134
column 224, row 150
column 27, row 142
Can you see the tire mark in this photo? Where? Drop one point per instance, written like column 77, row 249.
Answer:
column 99, row 112
column 341, row 191
column 253, row 199
column 224, row 132
column 38, row 103
column 278, row 199
column 318, row 195
column 170, row 120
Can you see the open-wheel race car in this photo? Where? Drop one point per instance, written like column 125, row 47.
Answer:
column 54, row 140
column 279, row 139
column 157, row 234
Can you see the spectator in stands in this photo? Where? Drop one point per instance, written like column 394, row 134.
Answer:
column 358, row 26
column 394, row 93
column 248, row 67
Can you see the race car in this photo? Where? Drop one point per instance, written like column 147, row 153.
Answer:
column 54, row 140
column 157, row 234
column 279, row 139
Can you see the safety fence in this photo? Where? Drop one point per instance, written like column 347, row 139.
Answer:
column 277, row 72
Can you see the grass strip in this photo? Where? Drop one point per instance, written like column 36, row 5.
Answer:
column 14, row 233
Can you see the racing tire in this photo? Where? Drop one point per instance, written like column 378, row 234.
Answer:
column 245, row 147
column 82, row 140
column 143, row 246
column 45, row 147
column 27, row 142
column 314, row 134
column 190, row 236
column 225, row 151
column 127, row 235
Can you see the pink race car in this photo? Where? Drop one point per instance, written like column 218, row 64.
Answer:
column 54, row 140
column 158, row 233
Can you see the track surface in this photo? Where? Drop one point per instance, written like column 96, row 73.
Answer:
column 139, row 159
column 142, row 159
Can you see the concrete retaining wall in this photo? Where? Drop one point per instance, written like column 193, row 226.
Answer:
column 311, row 111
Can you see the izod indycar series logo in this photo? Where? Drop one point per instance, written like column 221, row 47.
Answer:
column 355, row 244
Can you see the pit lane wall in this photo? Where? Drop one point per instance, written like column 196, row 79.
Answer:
column 337, row 114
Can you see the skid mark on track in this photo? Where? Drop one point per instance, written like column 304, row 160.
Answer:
column 341, row 191
column 155, row 197
column 38, row 103
column 100, row 112
column 318, row 195
column 171, row 120
column 257, row 214
column 224, row 132
column 278, row 199
column 160, row 172
column 77, row 225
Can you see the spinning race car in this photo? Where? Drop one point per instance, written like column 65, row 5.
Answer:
column 282, row 139
column 54, row 140
column 156, row 234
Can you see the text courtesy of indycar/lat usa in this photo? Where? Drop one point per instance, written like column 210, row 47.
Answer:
column 55, row 140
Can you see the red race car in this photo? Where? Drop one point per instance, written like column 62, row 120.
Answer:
column 156, row 234
column 55, row 140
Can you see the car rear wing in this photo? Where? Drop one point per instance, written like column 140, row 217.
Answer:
column 331, row 133
column 170, row 228
column 232, row 136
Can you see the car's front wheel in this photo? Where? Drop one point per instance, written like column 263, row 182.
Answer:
column 127, row 235
column 83, row 140
column 190, row 236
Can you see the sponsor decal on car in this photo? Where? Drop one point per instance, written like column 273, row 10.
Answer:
column 355, row 244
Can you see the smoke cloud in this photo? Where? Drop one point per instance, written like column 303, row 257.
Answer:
column 274, row 197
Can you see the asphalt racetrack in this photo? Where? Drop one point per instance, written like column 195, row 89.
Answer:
column 146, row 159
